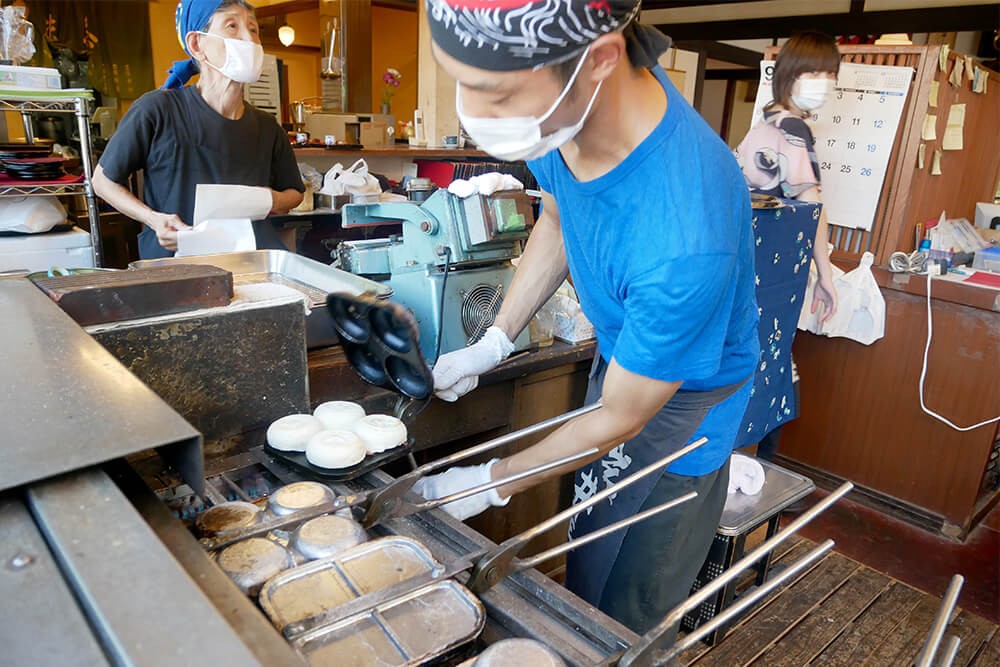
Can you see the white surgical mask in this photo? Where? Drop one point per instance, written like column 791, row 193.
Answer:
column 811, row 94
column 520, row 138
column 244, row 59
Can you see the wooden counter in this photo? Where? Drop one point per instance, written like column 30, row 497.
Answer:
column 860, row 409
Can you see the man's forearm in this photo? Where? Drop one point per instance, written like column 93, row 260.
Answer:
column 541, row 271
column 283, row 201
column 120, row 198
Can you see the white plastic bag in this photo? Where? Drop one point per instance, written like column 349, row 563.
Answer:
column 355, row 180
column 31, row 215
column 860, row 312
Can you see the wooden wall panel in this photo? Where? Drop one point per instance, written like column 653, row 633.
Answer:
column 860, row 412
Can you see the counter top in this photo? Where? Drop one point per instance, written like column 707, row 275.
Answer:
column 401, row 150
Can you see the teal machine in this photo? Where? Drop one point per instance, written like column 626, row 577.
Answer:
column 451, row 266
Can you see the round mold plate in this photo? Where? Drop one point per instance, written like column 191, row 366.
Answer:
column 227, row 516
column 349, row 319
column 297, row 496
column 251, row 562
column 518, row 651
column 407, row 378
column 326, row 536
column 393, row 333
column 364, row 361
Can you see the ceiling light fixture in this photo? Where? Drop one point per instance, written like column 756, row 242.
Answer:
column 286, row 35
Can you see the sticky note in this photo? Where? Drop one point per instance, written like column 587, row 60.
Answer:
column 952, row 140
column 936, row 163
column 979, row 80
column 932, row 98
column 921, row 153
column 929, row 133
column 943, row 57
column 956, row 73
column 969, row 64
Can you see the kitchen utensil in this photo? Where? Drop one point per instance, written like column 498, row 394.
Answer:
column 490, row 566
column 425, row 626
column 388, row 501
column 332, row 69
column 380, row 342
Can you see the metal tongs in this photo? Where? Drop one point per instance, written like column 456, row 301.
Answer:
column 649, row 651
column 490, row 566
column 390, row 501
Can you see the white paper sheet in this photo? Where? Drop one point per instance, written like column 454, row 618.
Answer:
column 230, row 202
column 216, row 236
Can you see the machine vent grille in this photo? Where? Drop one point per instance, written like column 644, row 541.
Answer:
column 480, row 306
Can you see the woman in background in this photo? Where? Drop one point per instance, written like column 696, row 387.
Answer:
column 778, row 156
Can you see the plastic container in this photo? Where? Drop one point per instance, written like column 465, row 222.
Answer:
column 987, row 259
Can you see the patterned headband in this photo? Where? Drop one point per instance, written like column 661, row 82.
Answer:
column 506, row 35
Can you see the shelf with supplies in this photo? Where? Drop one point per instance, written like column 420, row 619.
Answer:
column 79, row 103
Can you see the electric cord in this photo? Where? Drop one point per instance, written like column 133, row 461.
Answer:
column 444, row 284
column 923, row 371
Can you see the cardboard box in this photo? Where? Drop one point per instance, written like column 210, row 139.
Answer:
column 29, row 78
column 374, row 134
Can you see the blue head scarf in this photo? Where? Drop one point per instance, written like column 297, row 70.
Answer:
column 192, row 15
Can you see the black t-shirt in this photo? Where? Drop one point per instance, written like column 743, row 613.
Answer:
column 180, row 141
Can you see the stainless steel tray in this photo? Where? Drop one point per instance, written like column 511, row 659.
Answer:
column 307, row 590
column 314, row 279
column 423, row 626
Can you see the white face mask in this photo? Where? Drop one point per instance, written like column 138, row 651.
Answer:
column 811, row 94
column 244, row 59
column 520, row 138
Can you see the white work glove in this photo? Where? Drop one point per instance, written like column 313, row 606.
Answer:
column 458, row 479
column 457, row 373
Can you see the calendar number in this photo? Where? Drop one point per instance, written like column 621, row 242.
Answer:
column 837, row 119
column 830, row 143
column 825, row 166
column 881, row 99
column 861, row 97
column 878, row 124
column 856, row 122
column 865, row 171
column 845, row 168
column 840, row 94
column 851, row 145
column 871, row 148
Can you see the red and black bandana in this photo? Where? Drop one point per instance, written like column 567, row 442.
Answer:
column 506, row 35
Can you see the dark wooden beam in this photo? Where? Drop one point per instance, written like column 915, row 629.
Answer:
column 734, row 74
column 405, row 5
column 289, row 7
column 948, row 19
column 719, row 51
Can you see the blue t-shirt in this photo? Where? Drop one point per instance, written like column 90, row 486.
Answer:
column 661, row 253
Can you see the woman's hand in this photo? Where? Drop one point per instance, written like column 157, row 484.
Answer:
column 166, row 226
column 825, row 296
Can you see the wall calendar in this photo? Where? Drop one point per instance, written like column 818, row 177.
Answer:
column 854, row 133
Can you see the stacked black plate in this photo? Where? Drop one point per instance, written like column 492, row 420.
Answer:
column 35, row 168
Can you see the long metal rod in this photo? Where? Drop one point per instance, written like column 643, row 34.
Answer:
column 506, row 439
column 510, row 479
column 572, row 511
column 649, row 640
column 86, row 157
column 528, row 563
column 930, row 649
column 747, row 600
column 950, row 651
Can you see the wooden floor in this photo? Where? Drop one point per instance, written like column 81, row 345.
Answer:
column 843, row 613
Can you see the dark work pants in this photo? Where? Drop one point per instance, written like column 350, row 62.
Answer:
column 661, row 556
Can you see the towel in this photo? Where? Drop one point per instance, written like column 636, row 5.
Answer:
column 746, row 475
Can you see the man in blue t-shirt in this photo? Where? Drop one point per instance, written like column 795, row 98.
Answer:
column 647, row 209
